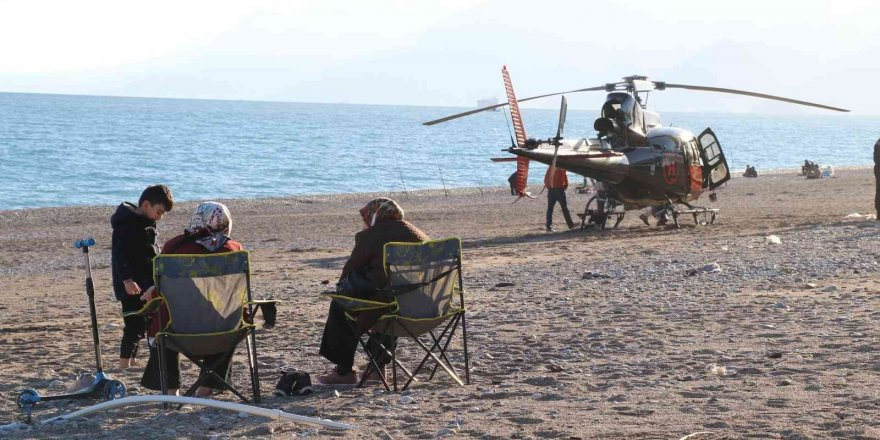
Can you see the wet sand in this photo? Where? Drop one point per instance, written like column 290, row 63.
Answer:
column 588, row 334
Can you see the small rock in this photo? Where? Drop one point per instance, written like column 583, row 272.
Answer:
column 775, row 355
column 717, row 370
column 810, row 286
column 337, row 393
column 709, row 268
column 325, row 281
column 243, row 415
column 830, row 289
column 505, row 285
column 555, row 368
column 785, row 383
column 406, row 400
column 443, row 432
column 772, row 239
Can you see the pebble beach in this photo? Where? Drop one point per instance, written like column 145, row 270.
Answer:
column 765, row 324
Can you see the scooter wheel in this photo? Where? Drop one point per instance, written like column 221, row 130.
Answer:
column 113, row 390
column 28, row 398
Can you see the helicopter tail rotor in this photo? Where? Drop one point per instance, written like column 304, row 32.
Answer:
column 522, row 163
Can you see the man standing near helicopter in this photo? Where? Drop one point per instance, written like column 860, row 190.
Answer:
column 877, row 178
column 556, row 181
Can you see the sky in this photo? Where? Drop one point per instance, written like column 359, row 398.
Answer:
column 445, row 53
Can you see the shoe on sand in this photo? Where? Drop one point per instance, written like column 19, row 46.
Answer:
column 334, row 378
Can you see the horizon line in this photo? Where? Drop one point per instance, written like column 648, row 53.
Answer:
column 269, row 101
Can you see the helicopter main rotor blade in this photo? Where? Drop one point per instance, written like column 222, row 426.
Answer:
column 470, row 112
column 757, row 95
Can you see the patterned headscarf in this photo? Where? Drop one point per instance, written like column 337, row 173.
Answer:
column 210, row 225
column 380, row 209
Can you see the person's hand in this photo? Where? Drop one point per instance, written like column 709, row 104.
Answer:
column 148, row 294
column 131, row 287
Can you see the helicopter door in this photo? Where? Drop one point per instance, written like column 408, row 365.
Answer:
column 715, row 170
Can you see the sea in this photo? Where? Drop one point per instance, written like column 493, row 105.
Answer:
column 65, row 150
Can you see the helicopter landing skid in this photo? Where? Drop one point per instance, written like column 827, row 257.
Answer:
column 708, row 214
column 599, row 210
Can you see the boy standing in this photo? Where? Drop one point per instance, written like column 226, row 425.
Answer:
column 133, row 248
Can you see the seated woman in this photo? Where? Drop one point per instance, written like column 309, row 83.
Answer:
column 208, row 233
column 363, row 276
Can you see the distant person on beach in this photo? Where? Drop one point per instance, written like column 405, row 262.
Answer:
column 556, row 181
column 133, row 246
column 512, row 182
column 208, row 233
column 363, row 276
column 750, row 171
column 877, row 178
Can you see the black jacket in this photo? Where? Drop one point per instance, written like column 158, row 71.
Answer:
column 133, row 248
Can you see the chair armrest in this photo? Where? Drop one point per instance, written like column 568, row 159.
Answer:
column 352, row 304
column 152, row 306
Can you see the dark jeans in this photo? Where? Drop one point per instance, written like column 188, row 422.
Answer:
column 340, row 340
column 877, row 186
column 151, row 379
column 557, row 195
column 134, row 327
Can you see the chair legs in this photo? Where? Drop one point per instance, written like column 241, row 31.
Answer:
column 439, row 343
column 209, row 369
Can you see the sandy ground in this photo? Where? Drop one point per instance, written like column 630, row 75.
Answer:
column 595, row 334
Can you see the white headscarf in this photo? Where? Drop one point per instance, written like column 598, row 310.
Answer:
column 210, row 225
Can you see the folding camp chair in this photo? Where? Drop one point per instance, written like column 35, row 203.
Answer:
column 206, row 297
column 424, row 280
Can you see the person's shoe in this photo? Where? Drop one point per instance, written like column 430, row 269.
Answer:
column 334, row 378
column 303, row 384
column 662, row 221
column 284, row 386
column 550, row 229
column 374, row 375
column 295, row 383
column 644, row 218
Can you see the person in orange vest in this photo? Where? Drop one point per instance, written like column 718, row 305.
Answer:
column 556, row 181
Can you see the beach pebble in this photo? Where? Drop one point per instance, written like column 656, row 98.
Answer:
column 709, row 268
column 337, row 393
column 443, row 432
column 830, row 289
column 406, row 400
column 772, row 239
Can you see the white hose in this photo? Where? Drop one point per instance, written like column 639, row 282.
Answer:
column 274, row 414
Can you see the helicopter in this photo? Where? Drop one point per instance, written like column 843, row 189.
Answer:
column 637, row 161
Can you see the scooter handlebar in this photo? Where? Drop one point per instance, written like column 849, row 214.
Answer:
column 84, row 243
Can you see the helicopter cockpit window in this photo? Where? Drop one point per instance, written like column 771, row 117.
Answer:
column 665, row 143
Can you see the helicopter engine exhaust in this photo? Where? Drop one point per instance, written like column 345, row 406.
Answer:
column 606, row 126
